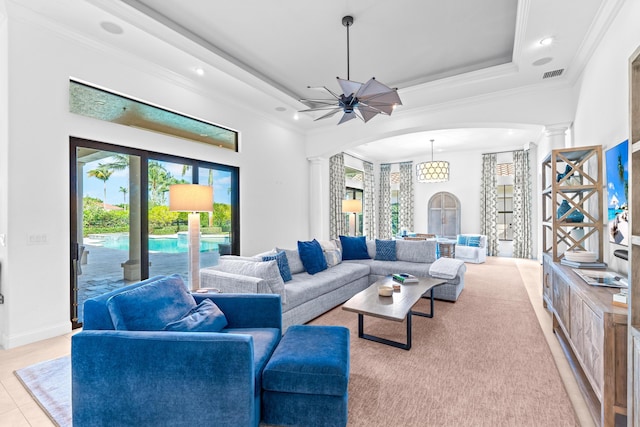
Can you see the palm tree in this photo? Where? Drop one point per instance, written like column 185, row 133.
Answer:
column 103, row 173
column 124, row 191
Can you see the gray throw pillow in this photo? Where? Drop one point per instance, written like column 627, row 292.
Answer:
column 265, row 270
column 293, row 257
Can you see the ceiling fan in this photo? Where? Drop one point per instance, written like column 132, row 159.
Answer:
column 362, row 100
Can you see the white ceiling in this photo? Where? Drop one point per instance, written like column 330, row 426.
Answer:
column 434, row 51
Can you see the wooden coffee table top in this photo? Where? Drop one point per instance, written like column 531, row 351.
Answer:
column 397, row 306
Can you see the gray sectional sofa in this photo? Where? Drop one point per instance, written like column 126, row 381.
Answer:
column 307, row 296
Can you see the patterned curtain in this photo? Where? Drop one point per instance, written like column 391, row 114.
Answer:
column 489, row 203
column 384, row 202
column 368, row 208
column 336, row 195
column 405, row 196
column 521, row 205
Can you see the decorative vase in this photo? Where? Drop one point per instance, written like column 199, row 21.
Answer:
column 567, row 170
column 575, row 216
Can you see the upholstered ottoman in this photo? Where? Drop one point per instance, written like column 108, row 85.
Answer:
column 305, row 381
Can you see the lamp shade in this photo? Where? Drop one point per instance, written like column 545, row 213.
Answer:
column 351, row 206
column 190, row 198
column 434, row 171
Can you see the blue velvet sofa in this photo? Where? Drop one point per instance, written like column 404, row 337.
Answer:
column 127, row 370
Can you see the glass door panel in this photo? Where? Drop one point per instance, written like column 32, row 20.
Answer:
column 106, row 250
column 215, row 226
column 168, row 236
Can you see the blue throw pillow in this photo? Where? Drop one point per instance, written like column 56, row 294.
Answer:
column 474, row 241
column 354, row 248
column 385, row 250
column 150, row 307
column 283, row 264
column 205, row 317
column 312, row 256
column 463, row 240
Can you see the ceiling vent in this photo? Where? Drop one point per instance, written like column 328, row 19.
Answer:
column 554, row 73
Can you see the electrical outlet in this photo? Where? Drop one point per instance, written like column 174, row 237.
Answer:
column 1, row 299
column 37, row 239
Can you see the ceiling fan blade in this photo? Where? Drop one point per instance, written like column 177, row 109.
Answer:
column 347, row 116
column 329, row 114
column 349, row 87
column 367, row 113
column 328, row 107
column 373, row 87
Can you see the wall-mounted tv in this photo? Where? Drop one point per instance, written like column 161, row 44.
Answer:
column 617, row 165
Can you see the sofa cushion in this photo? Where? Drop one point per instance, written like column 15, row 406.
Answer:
column 293, row 258
column 416, row 250
column 462, row 240
column 152, row 306
column 354, row 248
column 205, row 317
column 305, row 287
column 265, row 270
column 312, row 256
column 385, row 250
column 283, row 264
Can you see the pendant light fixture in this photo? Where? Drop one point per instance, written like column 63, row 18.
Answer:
column 433, row 171
column 363, row 101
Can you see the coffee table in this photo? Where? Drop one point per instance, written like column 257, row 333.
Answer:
column 397, row 307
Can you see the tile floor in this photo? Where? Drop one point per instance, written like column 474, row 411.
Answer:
column 17, row 408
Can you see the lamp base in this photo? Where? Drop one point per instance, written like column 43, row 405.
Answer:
column 194, row 251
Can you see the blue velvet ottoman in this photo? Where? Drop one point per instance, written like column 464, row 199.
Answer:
column 305, row 382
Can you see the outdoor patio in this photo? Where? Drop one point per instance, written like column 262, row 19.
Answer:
column 103, row 272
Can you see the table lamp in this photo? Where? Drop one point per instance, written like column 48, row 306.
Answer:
column 194, row 199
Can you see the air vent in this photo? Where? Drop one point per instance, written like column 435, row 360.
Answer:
column 554, row 73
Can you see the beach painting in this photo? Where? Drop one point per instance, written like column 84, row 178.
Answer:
column 617, row 165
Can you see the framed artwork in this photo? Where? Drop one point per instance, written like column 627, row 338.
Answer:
column 617, row 165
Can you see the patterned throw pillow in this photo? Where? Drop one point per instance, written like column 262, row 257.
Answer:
column 474, row 241
column 283, row 264
column 385, row 250
column 463, row 240
column 293, row 258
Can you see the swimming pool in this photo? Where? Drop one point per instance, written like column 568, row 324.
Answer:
column 167, row 245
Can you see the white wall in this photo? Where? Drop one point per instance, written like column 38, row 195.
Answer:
column 273, row 167
column 602, row 113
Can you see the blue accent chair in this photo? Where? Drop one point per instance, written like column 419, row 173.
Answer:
column 157, row 377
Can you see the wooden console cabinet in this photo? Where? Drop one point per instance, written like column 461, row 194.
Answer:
column 593, row 333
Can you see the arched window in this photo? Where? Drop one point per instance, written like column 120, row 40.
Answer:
column 444, row 215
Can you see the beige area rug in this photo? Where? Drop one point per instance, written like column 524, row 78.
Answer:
column 481, row 361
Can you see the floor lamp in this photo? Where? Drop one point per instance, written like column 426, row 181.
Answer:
column 354, row 207
column 194, row 199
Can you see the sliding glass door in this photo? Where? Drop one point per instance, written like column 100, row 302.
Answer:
column 121, row 228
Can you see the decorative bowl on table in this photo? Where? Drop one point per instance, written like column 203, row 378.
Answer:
column 385, row 290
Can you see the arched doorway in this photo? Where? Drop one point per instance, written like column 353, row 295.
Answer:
column 444, row 215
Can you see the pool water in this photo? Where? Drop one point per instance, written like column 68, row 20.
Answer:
column 168, row 245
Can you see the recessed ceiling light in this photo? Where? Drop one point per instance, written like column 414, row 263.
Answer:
column 199, row 71
column 296, row 116
column 542, row 61
column 111, row 27
column 546, row 41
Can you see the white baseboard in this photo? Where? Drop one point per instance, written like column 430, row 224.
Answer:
column 11, row 341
